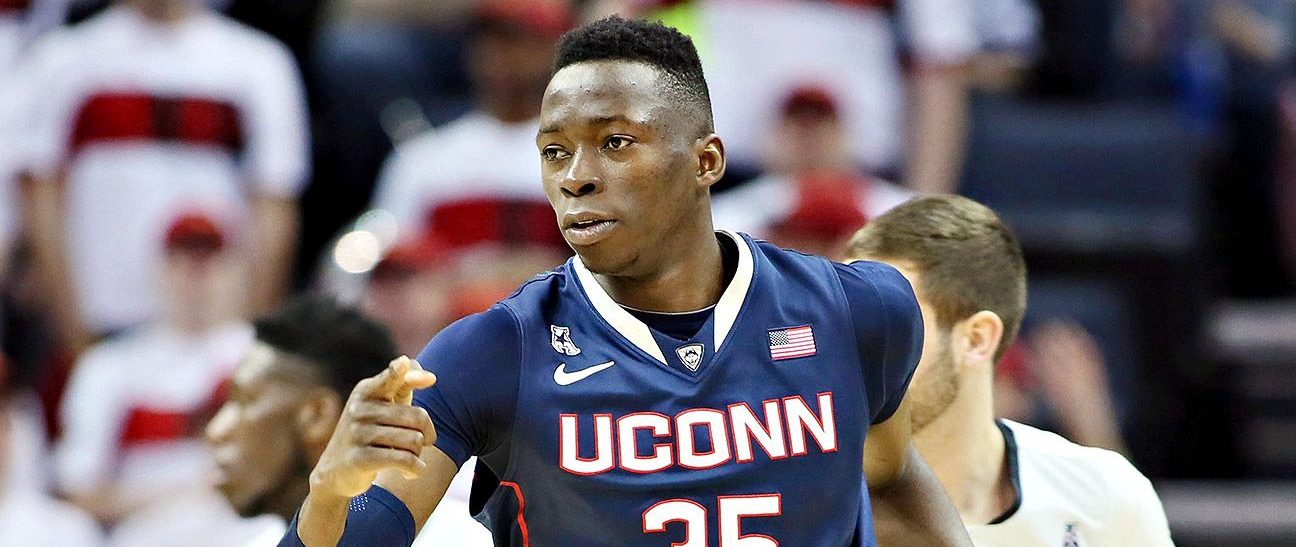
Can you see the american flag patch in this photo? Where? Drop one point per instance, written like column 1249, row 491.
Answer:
column 791, row 343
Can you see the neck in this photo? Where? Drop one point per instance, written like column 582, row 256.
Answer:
column 692, row 281
column 162, row 11
column 287, row 500
column 195, row 323
column 966, row 451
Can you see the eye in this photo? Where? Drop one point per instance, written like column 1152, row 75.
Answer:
column 617, row 142
column 554, row 153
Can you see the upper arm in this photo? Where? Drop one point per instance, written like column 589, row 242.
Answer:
column 888, row 332
column 886, row 448
column 1138, row 510
column 45, row 102
column 422, row 494
column 471, row 405
column 89, row 415
column 277, row 155
column 939, row 32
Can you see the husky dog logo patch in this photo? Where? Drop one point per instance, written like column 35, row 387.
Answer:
column 691, row 355
column 561, row 341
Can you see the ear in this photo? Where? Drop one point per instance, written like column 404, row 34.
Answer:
column 711, row 160
column 978, row 337
column 318, row 415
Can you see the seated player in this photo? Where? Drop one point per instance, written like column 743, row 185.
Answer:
column 284, row 403
column 131, row 452
column 1012, row 484
column 668, row 385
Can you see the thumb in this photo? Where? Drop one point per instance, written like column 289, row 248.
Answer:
column 413, row 378
column 393, row 383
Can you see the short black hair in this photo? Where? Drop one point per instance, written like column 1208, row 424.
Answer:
column 343, row 344
column 650, row 42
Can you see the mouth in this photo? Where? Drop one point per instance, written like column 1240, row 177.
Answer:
column 587, row 228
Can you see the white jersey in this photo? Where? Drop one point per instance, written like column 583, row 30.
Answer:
column 135, row 409
column 851, row 51
column 29, row 518
column 1073, row 496
column 757, row 206
column 476, row 156
column 148, row 120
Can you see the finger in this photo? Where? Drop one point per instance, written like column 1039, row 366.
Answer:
column 413, row 378
column 399, row 438
column 375, row 459
column 394, row 415
column 388, row 384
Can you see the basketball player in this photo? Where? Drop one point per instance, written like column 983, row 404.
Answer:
column 1012, row 484
column 670, row 385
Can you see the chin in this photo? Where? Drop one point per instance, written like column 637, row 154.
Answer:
column 605, row 259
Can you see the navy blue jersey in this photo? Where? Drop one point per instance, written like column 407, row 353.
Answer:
column 602, row 431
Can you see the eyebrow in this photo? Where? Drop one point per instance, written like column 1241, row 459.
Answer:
column 597, row 120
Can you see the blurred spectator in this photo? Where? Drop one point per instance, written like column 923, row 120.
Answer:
column 284, row 403
column 131, row 451
column 1009, row 44
column 754, row 51
column 146, row 109
column 382, row 71
column 29, row 517
column 1057, row 376
column 490, row 152
column 410, row 291
column 475, row 184
column 1259, row 40
column 813, row 196
column 21, row 21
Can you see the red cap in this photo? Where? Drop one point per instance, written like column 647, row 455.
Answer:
column 827, row 208
column 544, row 18
column 810, row 100
column 407, row 257
column 194, row 231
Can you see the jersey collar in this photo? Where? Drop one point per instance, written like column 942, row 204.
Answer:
column 637, row 333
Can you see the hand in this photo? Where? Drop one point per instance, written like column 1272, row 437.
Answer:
column 1069, row 366
column 379, row 429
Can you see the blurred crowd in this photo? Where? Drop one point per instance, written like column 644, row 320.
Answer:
column 172, row 169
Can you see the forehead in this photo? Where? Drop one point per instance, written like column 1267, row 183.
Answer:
column 263, row 363
column 601, row 90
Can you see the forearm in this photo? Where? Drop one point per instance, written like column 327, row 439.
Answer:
column 938, row 129
column 44, row 219
column 376, row 518
column 913, row 509
column 321, row 520
column 274, row 246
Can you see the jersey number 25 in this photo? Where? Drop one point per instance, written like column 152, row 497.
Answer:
column 732, row 510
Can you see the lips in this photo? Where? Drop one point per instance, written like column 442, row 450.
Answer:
column 584, row 229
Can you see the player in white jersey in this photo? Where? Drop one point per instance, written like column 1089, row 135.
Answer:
column 1013, row 485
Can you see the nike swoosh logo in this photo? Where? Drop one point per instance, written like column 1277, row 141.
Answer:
column 564, row 378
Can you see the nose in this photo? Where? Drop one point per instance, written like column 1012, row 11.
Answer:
column 582, row 177
column 218, row 429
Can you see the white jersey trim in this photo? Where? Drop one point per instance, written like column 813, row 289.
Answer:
column 637, row 333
